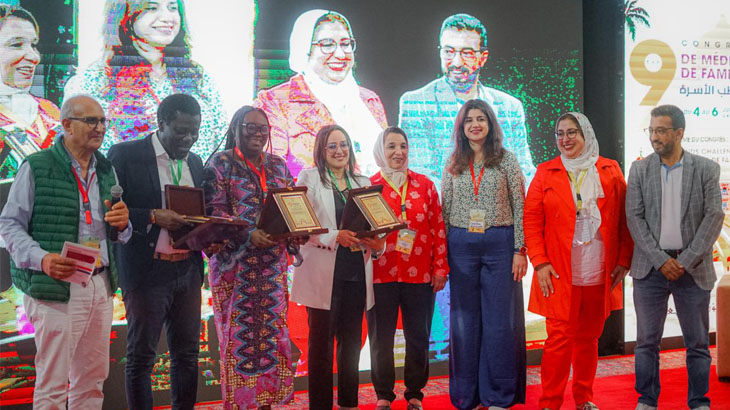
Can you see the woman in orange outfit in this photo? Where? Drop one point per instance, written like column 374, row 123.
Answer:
column 576, row 270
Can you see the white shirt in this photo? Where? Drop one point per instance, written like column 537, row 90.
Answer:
column 670, row 235
column 588, row 255
column 163, row 170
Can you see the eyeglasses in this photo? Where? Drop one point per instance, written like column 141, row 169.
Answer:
column 92, row 122
column 252, row 128
column 448, row 53
column 660, row 131
column 329, row 46
column 570, row 134
column 332, row 146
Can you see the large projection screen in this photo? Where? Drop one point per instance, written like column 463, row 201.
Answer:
column 237, row 49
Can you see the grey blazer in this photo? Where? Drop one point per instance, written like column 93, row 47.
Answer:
column 701, row 222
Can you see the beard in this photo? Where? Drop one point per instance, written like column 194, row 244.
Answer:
column 463, row 84
column 664, row 148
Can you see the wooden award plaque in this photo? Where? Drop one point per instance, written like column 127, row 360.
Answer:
column 367, row 214
column 288, row 213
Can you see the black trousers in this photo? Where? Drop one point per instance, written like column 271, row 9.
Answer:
column 174, row 305
column 415, row 301
column 342, row 322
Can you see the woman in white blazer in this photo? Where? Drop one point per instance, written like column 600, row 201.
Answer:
column 335, row 281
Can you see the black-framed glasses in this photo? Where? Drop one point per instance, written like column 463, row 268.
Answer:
column 329, row 46
column 660, row 131
column 252, row 128
column 571, row 134
column 92, row 122
column 448, row 53
column 332, row 146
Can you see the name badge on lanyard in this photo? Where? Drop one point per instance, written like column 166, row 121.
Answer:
column 404, row 243
column 477, row 220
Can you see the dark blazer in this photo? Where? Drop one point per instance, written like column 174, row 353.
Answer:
column 136, row 167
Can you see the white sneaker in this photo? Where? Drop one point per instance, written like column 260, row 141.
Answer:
column 642, row 406
column 702, row 408
column 496, row 408
column 587, row 406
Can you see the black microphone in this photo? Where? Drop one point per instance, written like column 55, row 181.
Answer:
column 116, row 192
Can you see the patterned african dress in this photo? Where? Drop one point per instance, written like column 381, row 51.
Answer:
column 249, row 286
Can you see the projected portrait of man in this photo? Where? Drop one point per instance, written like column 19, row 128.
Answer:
column 27, row 122
column 427, row 114
column 147, row 58
column 324, row 91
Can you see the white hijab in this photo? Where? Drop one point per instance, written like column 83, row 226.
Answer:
column 342, row 100
column 396, row 176
column 591, row 189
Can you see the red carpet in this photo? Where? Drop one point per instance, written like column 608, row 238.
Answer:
column 613, row 389
column 611, row 393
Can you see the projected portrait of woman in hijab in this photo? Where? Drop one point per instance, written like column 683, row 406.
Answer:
column 324, row 91
column 147, row 56
column 27, row 122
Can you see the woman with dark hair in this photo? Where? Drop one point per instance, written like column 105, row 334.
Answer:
column 146, row 58
column 408, row 275
column 27, row 123
column 248, row 277
column 335, row 281
column 483, row 190
column 581, row 252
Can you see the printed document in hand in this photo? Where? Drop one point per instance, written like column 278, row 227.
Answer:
column 85, row 257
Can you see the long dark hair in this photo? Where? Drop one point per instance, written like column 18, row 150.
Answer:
column 492, row 147
column 320, row 154
column 236, row 123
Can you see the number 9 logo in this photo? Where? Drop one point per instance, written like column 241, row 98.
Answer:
column 658, row 80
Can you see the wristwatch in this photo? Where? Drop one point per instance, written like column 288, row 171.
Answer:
column 521, row 251
column 152, row 217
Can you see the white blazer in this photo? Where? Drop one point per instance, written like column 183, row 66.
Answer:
column 313, row 279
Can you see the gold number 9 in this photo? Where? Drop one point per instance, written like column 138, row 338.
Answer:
column 658, row 81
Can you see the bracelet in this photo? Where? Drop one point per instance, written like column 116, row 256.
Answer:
column 153, row 220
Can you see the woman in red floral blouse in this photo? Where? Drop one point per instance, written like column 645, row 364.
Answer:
column 409, row 273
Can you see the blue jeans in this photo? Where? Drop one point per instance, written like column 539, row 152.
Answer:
column 488, row 358
column 650, row 299
column 176, row 305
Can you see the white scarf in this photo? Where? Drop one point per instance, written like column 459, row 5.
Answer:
column 396, row 176
column 342, row 100
column 591, row 189
column 19, row 102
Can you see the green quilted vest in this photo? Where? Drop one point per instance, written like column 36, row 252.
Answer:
column 55, row 217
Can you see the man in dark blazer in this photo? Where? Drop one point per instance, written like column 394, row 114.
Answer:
column 160, row 285
column 674, row 212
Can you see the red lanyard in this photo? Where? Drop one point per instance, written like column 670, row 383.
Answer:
column 474, row 181
column 84, row 194
column 261, row 173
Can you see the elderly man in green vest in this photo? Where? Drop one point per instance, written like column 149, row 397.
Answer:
column 62, row 194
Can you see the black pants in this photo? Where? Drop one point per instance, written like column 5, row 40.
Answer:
column 342, row 322
column 415, row 301
column 176, row 306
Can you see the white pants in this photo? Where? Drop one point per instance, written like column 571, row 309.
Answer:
column 72, row 344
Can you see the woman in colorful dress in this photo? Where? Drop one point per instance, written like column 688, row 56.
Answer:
column 248, row 277
column 483, row 193
column 146, row 58
column 27, row 123
column 408, row 275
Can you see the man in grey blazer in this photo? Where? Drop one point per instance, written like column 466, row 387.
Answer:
column 674, row 212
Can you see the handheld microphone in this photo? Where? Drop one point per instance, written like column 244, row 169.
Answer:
column 116, row 192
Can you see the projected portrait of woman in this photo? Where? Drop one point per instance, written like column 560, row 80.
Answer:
column 324, row 91
column 27, row 122
column 146, row 58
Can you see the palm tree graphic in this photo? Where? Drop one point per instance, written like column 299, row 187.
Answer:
column 635, row 15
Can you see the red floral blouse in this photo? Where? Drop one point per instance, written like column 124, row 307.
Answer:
column 423, row 211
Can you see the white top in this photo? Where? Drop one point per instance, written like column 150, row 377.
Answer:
column 588, row 256
column 163, row 170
